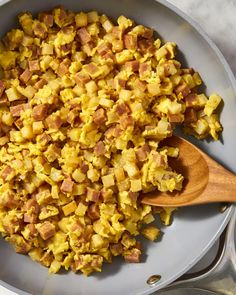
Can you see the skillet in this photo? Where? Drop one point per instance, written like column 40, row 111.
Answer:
column 195, row 229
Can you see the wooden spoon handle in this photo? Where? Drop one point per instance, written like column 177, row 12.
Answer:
column 221, row 185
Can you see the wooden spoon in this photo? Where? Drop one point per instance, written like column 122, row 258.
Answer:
column 206, row 181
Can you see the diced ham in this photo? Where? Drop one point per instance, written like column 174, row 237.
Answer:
column 92, row 194
column 182, row 88
column 130, row 41
column 39, row 84
column 191, row 99
column 11, row 226
column 61, row 16
column 116, row 249
column 147, row 34
column 104, row 48
column 3, row 100
column 53, row 152
column 40, row 30
column 7, row 172
column 26, row 76
column 92, row 69
column 84, row 36
column 44, row 138
column 30, row 218
column 81, row 78
column 9, row 201
column 190, row 116
column 133, row 256
column 113, row 132
column 140, row 85
column 133, row 196
column 144, row 68
column 19, row 123
column 122, row 108
column 47, row 259
column 84, row 168
column 126, row 121
column 146, row 45
column 93, row 211
column 142, row 153
column 122, row 82
column 63, row 67
column 87, row 234
column 132, row 65
column 32, row 206
column 175, row 118
column 54, row 122
column 77, row 226
column 100, row 149
column 99, row 116
column 158, row 159
column 72, row 116
column 16, row 110
column 47, row 19
column 66, row 48
column 2, row 88
column 107, row 195
column 32, row 229
column 36, row 50
column 34, row 65
column 47, row 230
column 19, row 243
column 4, row 128
column 67, row 185
column 39, row 112
column 109, row 56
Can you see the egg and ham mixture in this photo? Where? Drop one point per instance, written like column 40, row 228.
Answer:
column 84, row 105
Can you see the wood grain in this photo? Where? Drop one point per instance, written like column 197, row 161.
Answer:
column 206, row 181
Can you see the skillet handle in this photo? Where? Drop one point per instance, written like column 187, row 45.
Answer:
column 220, row 276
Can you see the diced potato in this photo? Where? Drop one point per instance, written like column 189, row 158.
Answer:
column 12, row 94
column 27, row 132
column 151, row 233
column 81, row 209
column 81, row 19
column 212, row 104
column 136, row 185
column 69, row 208
column 108, row 180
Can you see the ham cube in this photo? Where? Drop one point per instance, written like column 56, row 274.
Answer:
column 34, row 65
column 26, row 76
column 99, row 116
column 54, row 122
column 84, row 36
column 100, row 149
column 46, row 230
column 39, row 84
column 2, row 88
column 130, row 41
column 16, row 110
column 67, row 185
column 92, row 195
column 133, row 256
column 39, row 112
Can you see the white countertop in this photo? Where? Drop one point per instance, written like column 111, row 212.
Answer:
column 217, row 18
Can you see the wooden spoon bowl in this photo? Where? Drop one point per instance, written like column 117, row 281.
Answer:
column 206, row 181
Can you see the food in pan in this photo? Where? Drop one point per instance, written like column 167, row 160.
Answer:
column 84, row 106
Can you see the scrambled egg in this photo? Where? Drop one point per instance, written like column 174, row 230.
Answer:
column 84, row 105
